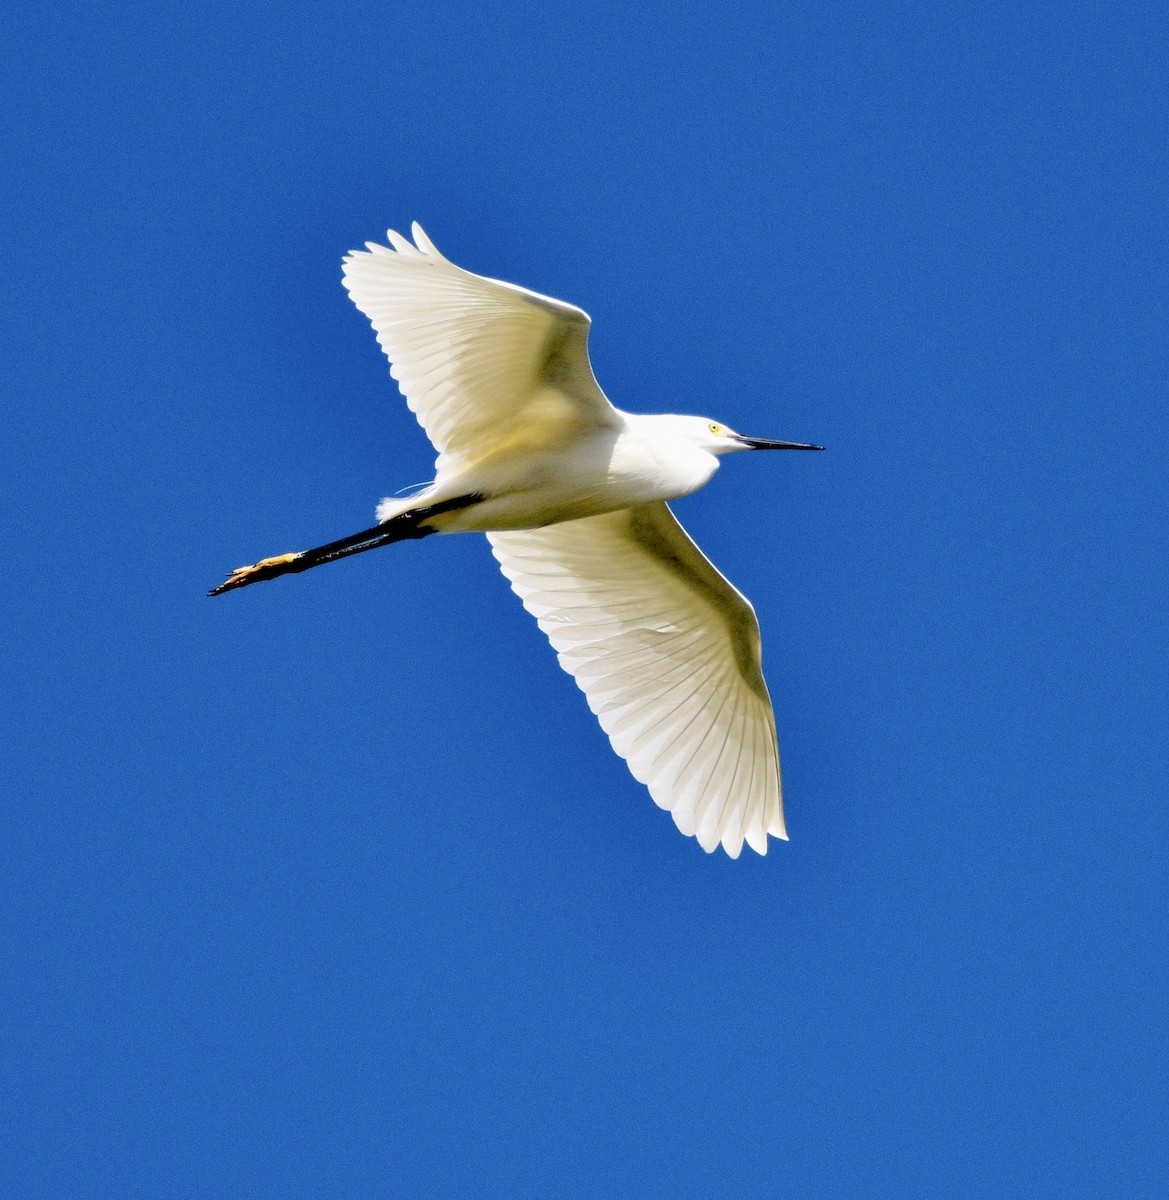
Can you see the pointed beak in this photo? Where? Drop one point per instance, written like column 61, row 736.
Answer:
column 767, row 444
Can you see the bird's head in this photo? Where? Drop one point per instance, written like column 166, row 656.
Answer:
column 718, row 439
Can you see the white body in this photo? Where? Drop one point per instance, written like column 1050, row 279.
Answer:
column 572, row 499
column 636, row 460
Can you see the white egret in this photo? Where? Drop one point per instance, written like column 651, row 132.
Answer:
column 571, row 493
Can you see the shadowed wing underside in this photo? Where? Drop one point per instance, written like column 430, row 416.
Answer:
column 667, row 653
column 481, row 363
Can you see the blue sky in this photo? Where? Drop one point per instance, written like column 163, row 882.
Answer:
column 334, row 887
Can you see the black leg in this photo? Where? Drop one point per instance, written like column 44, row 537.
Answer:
column 405, row 526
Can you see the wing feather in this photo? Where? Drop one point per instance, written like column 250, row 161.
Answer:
column 667, row 654
column 475, row 358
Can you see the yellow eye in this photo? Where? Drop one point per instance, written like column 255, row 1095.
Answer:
column 714, row 427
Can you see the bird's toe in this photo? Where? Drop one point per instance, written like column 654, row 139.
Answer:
column 242, row 576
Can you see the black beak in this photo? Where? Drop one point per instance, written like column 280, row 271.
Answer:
column 766, row 444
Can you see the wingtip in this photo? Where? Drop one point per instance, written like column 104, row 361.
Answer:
column 421, row 249
column 423, row 242
column 402, row 245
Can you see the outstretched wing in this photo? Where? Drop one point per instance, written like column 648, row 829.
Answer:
column 667, row 653
column 479, row 361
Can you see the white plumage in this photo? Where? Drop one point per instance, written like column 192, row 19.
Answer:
column 468, row 352
column 667, row 653
column 571, row 493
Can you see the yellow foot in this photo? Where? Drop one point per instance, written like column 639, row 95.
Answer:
column 263, row 569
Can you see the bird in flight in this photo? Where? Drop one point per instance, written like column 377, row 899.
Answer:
column 571, row 493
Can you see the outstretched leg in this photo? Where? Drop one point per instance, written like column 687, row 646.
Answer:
column 412, row 524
